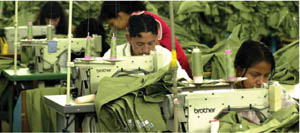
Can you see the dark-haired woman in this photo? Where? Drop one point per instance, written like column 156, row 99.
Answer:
column 255, row 61
column 53, row 13
column 117, row 13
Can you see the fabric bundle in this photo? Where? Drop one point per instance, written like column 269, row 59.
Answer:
column 131, row 103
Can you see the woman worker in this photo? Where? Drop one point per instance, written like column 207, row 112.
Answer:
column 255, row 61
column 54, row 13
column 117, row 13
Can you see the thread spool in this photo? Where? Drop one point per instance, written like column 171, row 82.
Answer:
column 49, row 32
column 230, row 75
column 113, row 48
column 197, row 66
column 87, row 55
column 29, row 31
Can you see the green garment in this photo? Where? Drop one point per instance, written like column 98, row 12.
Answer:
column 233, row 122
column 130, row 103
column 5, row 63
column 284, row 120
column 287, row 64
column 214, row 59
column 41, row 118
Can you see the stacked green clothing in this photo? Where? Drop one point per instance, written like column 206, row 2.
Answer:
column 214, row 59
column 130, row 103
column 287, row 64
column 210, row 22
column 41, row 118
column 284, row 120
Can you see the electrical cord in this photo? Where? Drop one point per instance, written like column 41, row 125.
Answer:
column 67, row 123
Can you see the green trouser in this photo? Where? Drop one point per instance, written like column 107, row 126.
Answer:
column 41, row 118
column 284, row 120
column 132, row 113
column 150, row 115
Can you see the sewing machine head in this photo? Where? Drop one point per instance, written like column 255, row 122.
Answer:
column 51, row 55
column 37, row 31
column 198, row 106
column 87, row 74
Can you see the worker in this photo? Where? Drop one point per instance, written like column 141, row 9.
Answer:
column 117, row 13
column 92, row 26
column 142, row 39
column 53, row 13
column 255, row 61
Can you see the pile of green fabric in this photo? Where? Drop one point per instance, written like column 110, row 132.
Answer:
column 130, row 103
column 211, row 21
column 41, row 117
column 287, row 64
column 284, row 120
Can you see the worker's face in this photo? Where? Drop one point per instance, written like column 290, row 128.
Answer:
column 120, row 22
column 142, row 45
column 54, row 21
column 257, row 75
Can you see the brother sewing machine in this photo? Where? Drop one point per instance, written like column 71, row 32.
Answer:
column 37, row 31
column 45, row 55
column 201, row 104
column 87, row 74
column 198, row 106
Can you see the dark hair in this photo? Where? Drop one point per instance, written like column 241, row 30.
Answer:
column 252, row 52
column 110, row 9
column 141, row 23
column 94, row 27
column 53, row 9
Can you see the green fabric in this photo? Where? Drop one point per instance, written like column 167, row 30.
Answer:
column 130, row 112
column 108, row 85
column 214, row 59
column 128, row 107
column 5, row 63
column 149, row 112
column 233, row 122
column 284, row 120
column 210, row 22
column 41, row 118
column 281, row 121
column 287, row 64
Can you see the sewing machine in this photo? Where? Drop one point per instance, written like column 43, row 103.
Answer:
column 37, row 30
column 50, row 55
column 199, row 105
column 87, row 74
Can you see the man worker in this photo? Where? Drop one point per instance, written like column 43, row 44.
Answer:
column 142, row 39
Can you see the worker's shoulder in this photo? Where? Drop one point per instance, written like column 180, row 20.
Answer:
column 123, row 45
column 159, row 48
